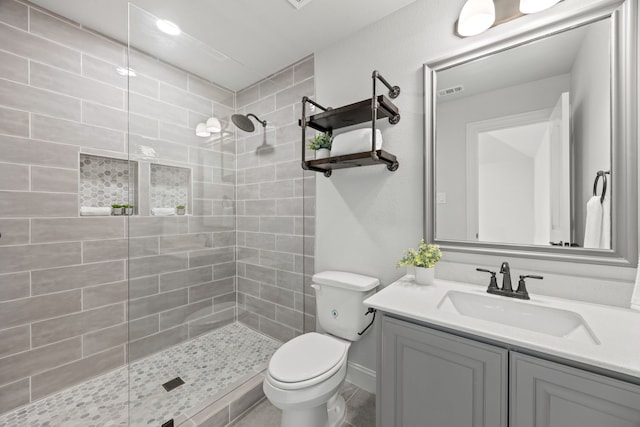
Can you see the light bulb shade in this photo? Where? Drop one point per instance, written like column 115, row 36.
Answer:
column 533, row 6
column 213, row 125
column 201, row 130
column 476, row 16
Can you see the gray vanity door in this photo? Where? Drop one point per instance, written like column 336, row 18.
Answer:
column 546, row 394
column 433, row 379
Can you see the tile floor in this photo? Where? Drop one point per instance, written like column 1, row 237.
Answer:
column 208, row 364
column 361, row 410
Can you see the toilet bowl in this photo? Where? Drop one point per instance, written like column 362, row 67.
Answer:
column 305, row 374
column 304, row 379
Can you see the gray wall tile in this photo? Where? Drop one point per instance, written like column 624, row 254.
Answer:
column 261, row 307
column 14, row 340
column 95, row 342
column 75, row 85
column 148, row 266
column 46, row 230
column 14, row 205
column 200, row 224
column 212, row 322
column 143, row 327
column 60, row 328
column 64, row 33
column 157, row 226
column 14, row 177
column 14, row 122
column 146, row 306
column 40, row 359
column 39, row 49
column 220, row 271
column 56, row 130
column 211, row 256
column 154, row 343
column 185, row 314
column 29, row 257
column 276, row 82
column 14, row 232
column 276, row 330
column 14, row 286
column 112, row 118
column 14, row 13
column 250, row 398
column 29, row 151
column 104, row 250
column 185, row 99
column 101, row 295
column 185, row 278
column 144, row 64
column 77, row 276
column 73, row 373
column 102, row 71
column 211, row 289
column 14, row 395
column 140, row 146
column 22, row 97
column 261, row 274
column 277, row 295
column 143, row 286
column 224, row 302
column 14, row 68
column 54, row 180
column 212, row 91
column 159, row 110
column 303, row 70
column 185, row 242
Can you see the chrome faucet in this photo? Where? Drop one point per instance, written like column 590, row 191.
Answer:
column 507, row 289
column 505, row 270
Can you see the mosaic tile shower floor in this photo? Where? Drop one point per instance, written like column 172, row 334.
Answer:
column 207, row 364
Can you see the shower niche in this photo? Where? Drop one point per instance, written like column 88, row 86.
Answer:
column 169, row 188
column 107, row 181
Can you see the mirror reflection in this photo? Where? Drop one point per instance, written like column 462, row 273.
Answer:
column 523, row 143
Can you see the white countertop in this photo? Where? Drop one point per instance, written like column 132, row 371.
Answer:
column 617, row 329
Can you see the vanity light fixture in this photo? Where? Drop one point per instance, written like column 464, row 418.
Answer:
column 168, row 27
column 533, row 6
column 201, row 130
column 476, row 17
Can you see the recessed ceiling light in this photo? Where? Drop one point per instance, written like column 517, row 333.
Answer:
column 299, row 3
column 168, row 27
column 126, row 71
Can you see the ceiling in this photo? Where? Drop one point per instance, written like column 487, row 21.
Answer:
column 257, row 37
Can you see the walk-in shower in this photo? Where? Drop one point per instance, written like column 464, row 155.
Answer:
column 145, row 275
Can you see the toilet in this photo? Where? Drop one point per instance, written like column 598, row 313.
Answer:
column 305, row 374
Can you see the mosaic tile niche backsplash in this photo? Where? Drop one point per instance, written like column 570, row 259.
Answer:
column 105, row 181
column 169, row 186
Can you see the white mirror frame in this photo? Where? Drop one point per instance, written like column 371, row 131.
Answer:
column 624, row 133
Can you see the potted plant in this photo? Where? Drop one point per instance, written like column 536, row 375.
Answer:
column 424, row 260
column 116, row 209
column 181, row 210
column 128, row 209
column 321, row 144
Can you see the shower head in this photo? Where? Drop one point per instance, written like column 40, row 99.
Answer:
column 244, row 123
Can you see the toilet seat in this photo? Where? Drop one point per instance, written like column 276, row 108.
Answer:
column 306, row 360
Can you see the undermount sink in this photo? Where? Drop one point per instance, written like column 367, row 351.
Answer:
column 519, row 314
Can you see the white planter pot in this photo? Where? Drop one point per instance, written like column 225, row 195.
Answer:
column 425, row 276
column 323, row 153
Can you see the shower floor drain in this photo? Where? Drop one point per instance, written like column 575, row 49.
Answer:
column 174, row 383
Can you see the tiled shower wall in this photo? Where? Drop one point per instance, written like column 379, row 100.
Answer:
column 63, row 278
column 275, row 208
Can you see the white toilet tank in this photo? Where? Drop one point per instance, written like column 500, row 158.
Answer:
column 339, row 298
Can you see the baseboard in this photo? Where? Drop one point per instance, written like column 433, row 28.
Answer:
column 362, row 377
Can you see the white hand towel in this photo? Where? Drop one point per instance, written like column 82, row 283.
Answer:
column 635, row 297
column 356, row 141
column 95, row 211
column 593, row 227
column 163, row 211
column 605, row 239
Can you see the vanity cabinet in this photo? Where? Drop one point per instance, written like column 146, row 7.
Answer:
column 470, row 379
column 547, row 394
column 430, row 378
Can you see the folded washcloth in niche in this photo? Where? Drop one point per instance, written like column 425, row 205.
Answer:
column 356, row 141
column 163, row 211
column 95, row 211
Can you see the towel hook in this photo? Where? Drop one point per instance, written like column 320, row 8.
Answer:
column 602, row 174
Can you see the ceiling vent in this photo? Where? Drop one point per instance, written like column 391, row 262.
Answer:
column 298, row 4
column 451, row 90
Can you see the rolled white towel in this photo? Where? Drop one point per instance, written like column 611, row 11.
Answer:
column 593, row 226
column 356, row 141
column 163, row 211
column 95, row 211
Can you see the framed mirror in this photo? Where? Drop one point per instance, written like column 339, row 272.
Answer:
column 532, row 142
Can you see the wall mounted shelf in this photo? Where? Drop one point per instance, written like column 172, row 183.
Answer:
column 372, row 109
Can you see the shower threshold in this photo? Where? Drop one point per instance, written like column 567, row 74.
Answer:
column 211, row 366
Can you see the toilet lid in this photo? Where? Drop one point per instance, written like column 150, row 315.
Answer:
column 306, row 356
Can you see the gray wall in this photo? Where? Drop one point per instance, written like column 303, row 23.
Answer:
column 367, row 216
column 276, row 208
column 63, row 279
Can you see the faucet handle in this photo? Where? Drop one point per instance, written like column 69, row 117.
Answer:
column 493, row 283
column 522, row 288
